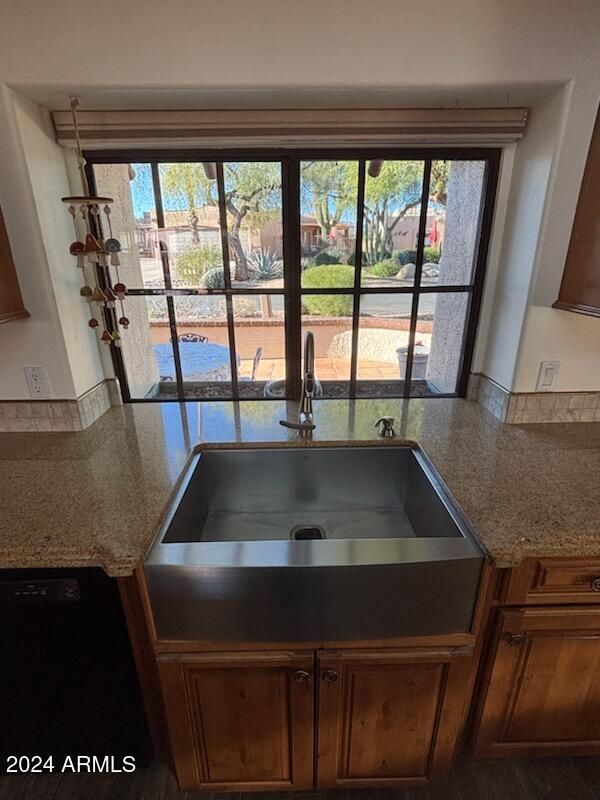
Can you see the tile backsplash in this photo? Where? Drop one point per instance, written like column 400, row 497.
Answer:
column 59, row 415
column 515, row 408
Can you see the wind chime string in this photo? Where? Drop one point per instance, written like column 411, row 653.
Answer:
column 95, row 251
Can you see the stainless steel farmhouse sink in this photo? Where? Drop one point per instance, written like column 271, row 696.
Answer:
column 312, row 544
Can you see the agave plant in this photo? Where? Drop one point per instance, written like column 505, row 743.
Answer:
column 264, row 265
column 213, row 278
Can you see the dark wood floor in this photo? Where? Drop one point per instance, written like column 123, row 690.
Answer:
column 543, row 779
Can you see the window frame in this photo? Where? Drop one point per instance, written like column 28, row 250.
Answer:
column 290, row 160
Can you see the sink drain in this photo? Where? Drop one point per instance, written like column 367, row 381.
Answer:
column 306, row 532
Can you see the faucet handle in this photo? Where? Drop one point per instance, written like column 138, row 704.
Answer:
column 386, row 426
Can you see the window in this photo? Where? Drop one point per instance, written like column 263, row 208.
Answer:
column 229, row 258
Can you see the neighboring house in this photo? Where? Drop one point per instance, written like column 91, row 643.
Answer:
column 177, row 233
column 406, row 232
column 341, row 235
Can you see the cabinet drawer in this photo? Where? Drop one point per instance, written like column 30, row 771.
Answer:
column 554, row 580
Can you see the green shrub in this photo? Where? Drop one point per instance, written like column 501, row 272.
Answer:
column 431, row 255
column 406, row 257
column 333, row 255
column 191, row 264
column 328, row 276
column 385, row 269
column 213, row 278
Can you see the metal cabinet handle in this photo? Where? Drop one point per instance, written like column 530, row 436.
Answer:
column 513, row 639
column 595, row 585
column 330, row 676
column 301, row 676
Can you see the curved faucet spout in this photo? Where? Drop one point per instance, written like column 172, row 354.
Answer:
column 305, row 413
column 308, row 379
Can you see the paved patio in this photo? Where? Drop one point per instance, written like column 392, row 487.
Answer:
column 327, row 369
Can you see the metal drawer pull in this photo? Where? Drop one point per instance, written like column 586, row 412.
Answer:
column 301, row 676
column 595, row 585
column 330, row 676
column 513, row 639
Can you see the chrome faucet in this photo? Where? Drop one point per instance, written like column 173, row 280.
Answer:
column 305, row 413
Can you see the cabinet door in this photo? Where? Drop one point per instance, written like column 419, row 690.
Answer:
column 241, row 721
column 11, row 303
column 580, row 287
column 541, row 693
column 386, row 718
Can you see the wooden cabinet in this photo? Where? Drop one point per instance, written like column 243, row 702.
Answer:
column 387, row 718
column 554, row 581
column 241, row 722
column 580, row 288
column 541, row 692
column 245, row 721
column 11, row 303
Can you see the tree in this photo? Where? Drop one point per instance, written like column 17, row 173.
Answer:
column 438, row 181
column 388, row 198
column 187, row 183
column 328, row 191
column 252, row 189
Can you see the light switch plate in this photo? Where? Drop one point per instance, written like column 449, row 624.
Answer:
column 37, row 382
column 547, row 376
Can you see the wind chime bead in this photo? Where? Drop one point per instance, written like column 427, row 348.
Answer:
column 106, row 337
column 116, row 338
column 114, row 260
column 93, row 323
column 124, row 322
column 112, row 245
column 87, row 292
column 110, row 297
column 120, row 289
column 91, row 244
column 98, row 295
column 76, row 247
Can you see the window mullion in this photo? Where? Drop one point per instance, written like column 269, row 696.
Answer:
column 418, row 269
column 292, row 278
column 164, row 258
column 360, row 204
column 227, row 278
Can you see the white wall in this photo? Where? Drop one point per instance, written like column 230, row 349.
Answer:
column 268, row 44
column 526, row 201
column 49, row 182
column 551, row 334
column 222, row 53
column 38, row 340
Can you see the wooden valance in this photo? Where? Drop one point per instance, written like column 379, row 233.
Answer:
column 268, row 128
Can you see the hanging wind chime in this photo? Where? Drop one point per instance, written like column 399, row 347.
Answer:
column 96, row 256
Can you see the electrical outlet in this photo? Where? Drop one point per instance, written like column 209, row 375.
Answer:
column 547, row 376
column 37, row 382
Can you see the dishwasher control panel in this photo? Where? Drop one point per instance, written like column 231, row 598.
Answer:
column 51, row 590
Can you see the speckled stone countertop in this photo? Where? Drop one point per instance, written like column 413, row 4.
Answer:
column 97, row 497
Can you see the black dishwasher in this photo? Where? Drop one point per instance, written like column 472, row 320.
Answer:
column 68, row 684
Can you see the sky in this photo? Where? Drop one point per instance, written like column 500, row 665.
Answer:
column 142, row 193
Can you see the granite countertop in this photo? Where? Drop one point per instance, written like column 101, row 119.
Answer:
column 97, row 497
